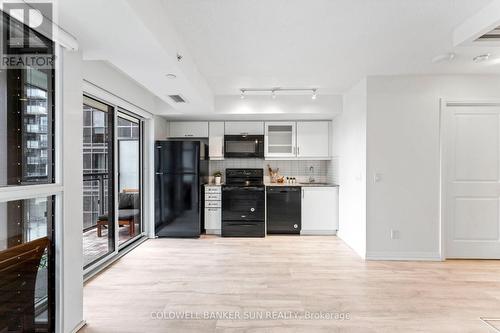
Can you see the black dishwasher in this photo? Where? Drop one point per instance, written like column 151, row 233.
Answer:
column 283, row 209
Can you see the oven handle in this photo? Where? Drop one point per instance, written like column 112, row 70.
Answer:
column 242, row 224
column 244, row 188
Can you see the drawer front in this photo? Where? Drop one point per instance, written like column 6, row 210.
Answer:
column 212, row 189
column 212, row 196
column 213, row 218
column 212, row 204
column 243, row 229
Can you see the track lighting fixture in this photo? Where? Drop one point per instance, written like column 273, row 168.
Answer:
column 275, row 90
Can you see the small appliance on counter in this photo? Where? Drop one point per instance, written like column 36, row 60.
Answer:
column 243, row 203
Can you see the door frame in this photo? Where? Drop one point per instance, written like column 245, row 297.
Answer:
column 141, row 121
column 446, row 104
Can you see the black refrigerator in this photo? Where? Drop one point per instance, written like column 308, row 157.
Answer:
column 180, row 170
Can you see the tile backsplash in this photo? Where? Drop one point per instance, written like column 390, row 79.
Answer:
column 332, row 172
column 299, row 169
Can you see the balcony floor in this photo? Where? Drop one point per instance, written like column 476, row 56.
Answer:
column 95, row 247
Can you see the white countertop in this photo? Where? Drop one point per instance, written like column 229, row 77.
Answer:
column 303, row 184
column 296, row 184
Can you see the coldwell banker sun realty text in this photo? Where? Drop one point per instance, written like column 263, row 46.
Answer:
column 26, row 30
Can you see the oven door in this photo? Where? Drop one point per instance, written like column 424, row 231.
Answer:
column 244, row 146
column 243, row 203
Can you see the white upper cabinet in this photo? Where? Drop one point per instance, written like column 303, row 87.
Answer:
column 189, row 129
column 313, row 139
column 244, row 128
column 280, row 139
column 216, row 140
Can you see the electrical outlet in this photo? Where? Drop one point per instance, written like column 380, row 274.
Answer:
column 394, row 234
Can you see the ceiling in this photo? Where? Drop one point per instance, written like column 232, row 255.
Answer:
column 231, row 44
column 330, row 44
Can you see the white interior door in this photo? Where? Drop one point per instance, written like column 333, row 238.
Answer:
column 471, row 155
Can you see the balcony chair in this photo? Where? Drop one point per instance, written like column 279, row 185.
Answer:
column 128, row 212
column 18, row 271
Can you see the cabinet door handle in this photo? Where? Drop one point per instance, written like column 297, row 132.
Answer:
column 298, row 151
column 302, row 193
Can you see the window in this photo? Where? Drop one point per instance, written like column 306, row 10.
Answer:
column 26, row 127
column 22, row 223
column 27, row 244
column 98, row 184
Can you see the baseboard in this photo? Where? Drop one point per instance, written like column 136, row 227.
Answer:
column 404, row 256
column 79, row 326
column 318, row 232
column 212, row 232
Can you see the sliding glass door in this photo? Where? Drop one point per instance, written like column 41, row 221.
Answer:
column 112, row 177
column 129, row 140
column 98, row 181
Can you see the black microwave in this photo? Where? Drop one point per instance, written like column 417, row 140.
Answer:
column 244, row 146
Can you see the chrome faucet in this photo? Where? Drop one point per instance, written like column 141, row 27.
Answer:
column 311, row 177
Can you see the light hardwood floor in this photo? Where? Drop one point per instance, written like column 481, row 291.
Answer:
column 280, row 273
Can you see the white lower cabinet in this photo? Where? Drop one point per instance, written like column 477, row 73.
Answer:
column 320, row 210
column 213, row 210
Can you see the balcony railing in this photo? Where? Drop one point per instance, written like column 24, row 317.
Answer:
column 94, row 188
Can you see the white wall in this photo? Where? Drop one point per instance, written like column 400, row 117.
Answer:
column 161, row 128
column 403, row 147
column 3, row 226
column 350, row 133
column 70, row 246
column 105, row 76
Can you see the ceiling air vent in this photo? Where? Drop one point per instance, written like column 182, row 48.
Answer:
column 493, row 35
column 177, row 98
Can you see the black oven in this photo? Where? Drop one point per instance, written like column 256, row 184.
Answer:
column 244, row 146
column 243, row 203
